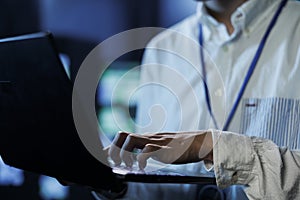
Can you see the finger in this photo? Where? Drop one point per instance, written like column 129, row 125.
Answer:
column 159, row 138
column 106, row 151
column 165, row 134
column 153, row 151
column 132, row 142
column 160, row 135
column 148, row 152
column 115, row 148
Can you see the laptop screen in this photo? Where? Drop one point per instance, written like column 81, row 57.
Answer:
column 37, row 129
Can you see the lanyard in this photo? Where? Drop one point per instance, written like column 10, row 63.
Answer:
column 248, row 75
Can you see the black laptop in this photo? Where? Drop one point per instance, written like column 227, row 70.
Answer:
column 37, row 131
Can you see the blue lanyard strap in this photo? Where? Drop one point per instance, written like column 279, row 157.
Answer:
column 207, row 96
column 248, row 75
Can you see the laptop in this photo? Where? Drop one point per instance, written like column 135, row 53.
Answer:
column 37, row 130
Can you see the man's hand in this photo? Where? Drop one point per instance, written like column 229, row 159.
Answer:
column 175, row 148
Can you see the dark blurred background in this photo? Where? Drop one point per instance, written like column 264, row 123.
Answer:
column 78, row 26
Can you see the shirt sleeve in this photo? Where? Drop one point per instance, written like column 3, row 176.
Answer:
column 267, row 171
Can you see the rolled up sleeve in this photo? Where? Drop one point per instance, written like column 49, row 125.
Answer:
column 267, row 171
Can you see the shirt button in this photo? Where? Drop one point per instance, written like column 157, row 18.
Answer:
column 218, row 92
column 247, row 32
column 225, row 48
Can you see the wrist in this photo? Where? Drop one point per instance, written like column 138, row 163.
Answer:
column 206, row 148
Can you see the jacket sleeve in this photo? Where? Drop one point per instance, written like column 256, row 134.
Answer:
column 267, row 171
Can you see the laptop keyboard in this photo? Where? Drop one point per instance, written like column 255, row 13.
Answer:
column 135, row 170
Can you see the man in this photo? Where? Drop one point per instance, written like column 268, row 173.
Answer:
column 254, row 47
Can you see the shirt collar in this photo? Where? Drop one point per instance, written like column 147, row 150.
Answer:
column 205, row 19
column 251, row 10
column 243, row 17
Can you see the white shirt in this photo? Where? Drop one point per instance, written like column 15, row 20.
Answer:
column 271, row 89
column 173, row 94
